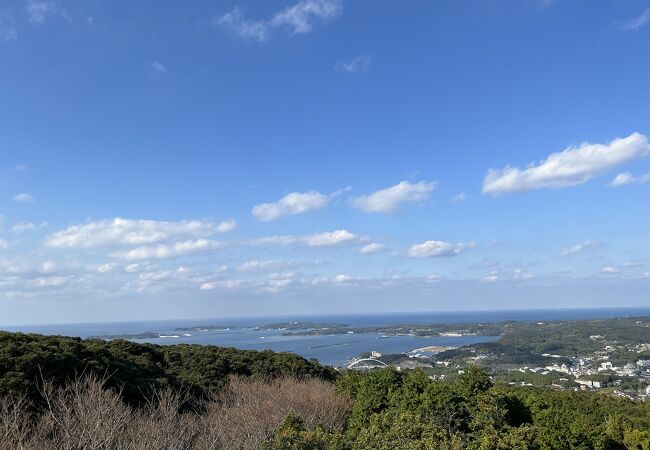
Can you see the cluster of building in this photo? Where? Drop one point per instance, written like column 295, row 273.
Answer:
column 589, row 374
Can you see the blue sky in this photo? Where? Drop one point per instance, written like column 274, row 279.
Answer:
column 208, row 159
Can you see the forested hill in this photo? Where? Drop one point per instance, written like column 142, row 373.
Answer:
column 26, row 359
column 294, row 406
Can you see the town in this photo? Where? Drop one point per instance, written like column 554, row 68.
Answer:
column 615, row 362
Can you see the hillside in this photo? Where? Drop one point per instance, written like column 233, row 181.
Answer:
column 67, row 393
column 138, row 369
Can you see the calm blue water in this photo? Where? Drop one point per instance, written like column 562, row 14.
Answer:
column 333, row 350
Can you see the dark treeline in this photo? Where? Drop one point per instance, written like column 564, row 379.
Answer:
column 119, row 395
column 137, row 369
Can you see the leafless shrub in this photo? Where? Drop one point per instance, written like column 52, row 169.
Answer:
column 84, row 415
column 161, row 425
column 87, row 415
column 247, row 411
column 15, row 423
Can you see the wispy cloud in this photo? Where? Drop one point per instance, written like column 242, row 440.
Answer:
column 39, row 10
column 226, row 226
column 570, row 167
column 459, row 198
column 22, row 227
column 169, row 250
column 633, row 264
column 119, row 231
column 430, row 249
column 326, row 239
column 496, row 276
column 265, row 266
column 157, row 67
column 293, row 204
column 23, row 198
column 296, row 19
column 636, row 23
column 372, row 248
column 359, row 64
column 625, row 178
column 224, row 284
column 610, row 270
column 8, row 30
column 578, row 248
column 391, row 199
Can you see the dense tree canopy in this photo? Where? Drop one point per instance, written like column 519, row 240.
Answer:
column 397, row 410
column 28, row 359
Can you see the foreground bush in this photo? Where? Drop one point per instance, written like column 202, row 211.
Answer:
column 85, row 414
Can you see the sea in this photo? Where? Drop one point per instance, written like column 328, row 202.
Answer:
column 337, row 350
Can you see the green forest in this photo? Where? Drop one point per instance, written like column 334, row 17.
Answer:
column 137, row 369
column 60, row 392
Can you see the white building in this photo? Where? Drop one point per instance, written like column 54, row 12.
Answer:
column 643, row 364
column 605, row 366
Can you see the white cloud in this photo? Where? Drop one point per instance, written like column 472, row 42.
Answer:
column 635, row 264
column 48, row 266
column 23, row 198
column 610, row 270
column 371, row 248
column 458, row 198
column 105, row 268
column 636, row 23
column 169, row 250
column 21, row 227
column 156, row 276
column 326, row 239
column 120, row 231
column 54, row 281
column 262, row 266
column 296, row 19
column 157, row 67
column 625, row 178
column 332, row 238
column 278, row 281
column 359, row 64
column 291, row 204
column 429, row 249
column 248, row 29
column 225, row 284
column 516, row 275
column 8, row 30
column 342, row 278
column 570, row 167
column 390, row 199
column 492, row 277
column 135, row 267
column 433, row 278
column 521, row 274
column 226, row 226
column 39, row 10
column 575, row 249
